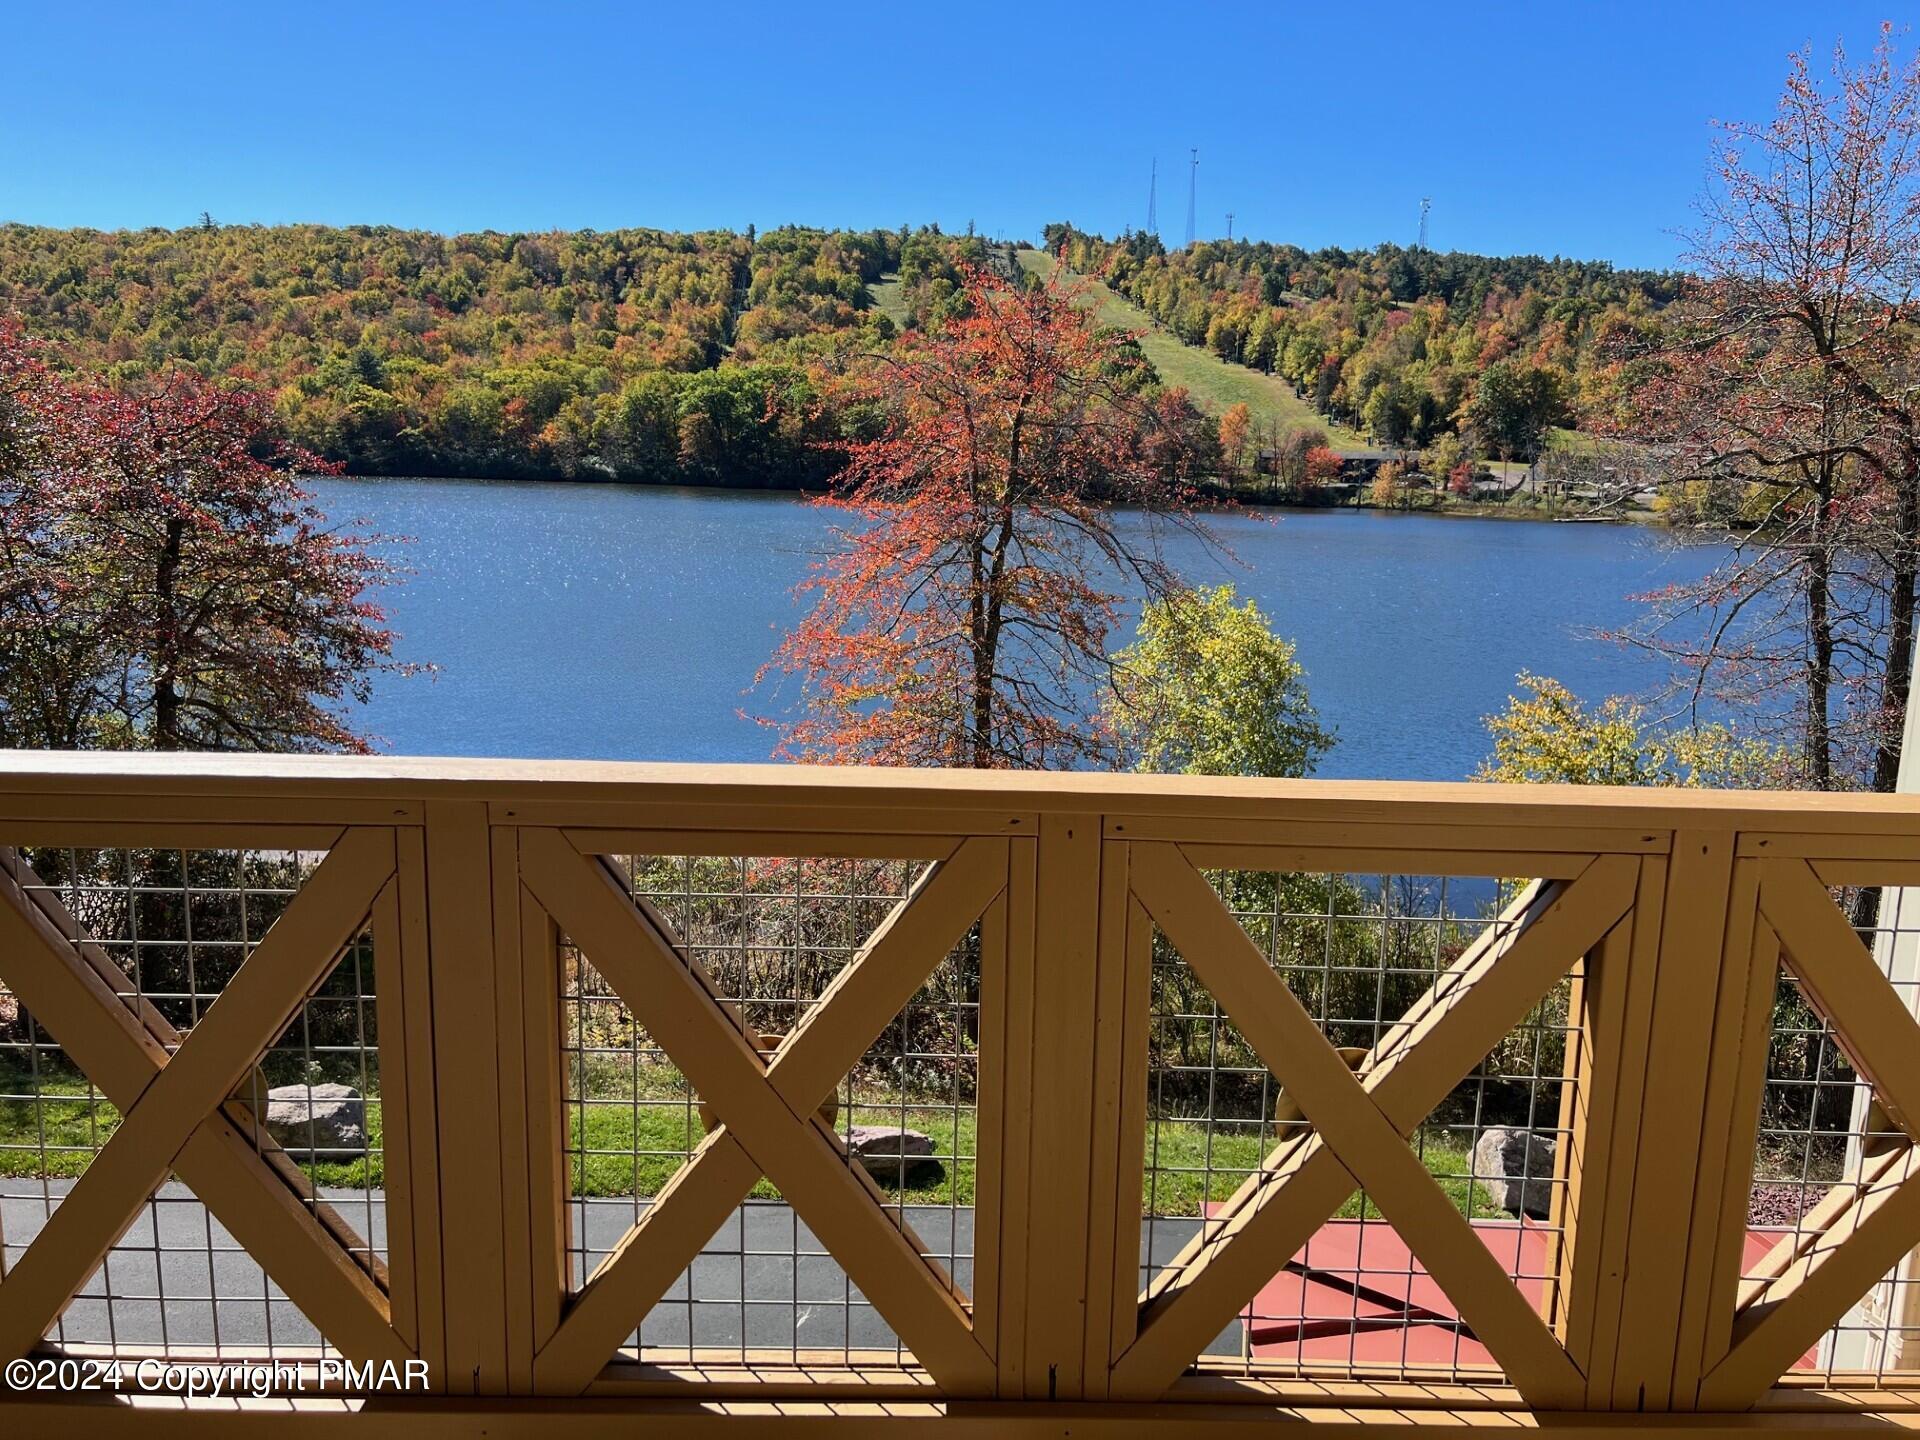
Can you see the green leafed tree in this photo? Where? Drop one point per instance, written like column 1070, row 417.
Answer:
column 1516, row 404
column 1207, row 688
column 1546, row 736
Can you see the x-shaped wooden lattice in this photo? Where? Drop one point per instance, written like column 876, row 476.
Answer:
column 768, row 1111
column 174, row 1114
column 1857, row 1234
column 1361, row 1122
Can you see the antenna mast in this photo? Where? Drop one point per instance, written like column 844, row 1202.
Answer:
column 1153, row 197
column 1426, row 204
column 1229, row 227
column 1193, row 171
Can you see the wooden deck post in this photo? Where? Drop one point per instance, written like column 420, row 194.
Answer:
column 1667, row 1102
column 1006, row 1000
column 1587, row 1274
column 1070, row 1126
column 409, row 1100
column 538, row 1027
column 468, row 1084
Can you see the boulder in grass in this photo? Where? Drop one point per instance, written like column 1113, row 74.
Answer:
column 891, row 1155
column 1515, row 1168
column 317, row 1121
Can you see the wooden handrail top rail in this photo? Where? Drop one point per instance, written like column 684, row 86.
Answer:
column 27, row 777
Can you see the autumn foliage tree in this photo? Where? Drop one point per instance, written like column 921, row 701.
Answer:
column 1546, row 736
column 1236, row 435
column 1322, row 468
column 1021, row 473
column 1785, row 388
column 1207, row 688
column 166, row 581
column 1391, row 489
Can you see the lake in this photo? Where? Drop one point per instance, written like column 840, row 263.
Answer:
column 626, row 622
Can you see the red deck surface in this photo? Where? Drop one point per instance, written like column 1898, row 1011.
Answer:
column 1356, row 1294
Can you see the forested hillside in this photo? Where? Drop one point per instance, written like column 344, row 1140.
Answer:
column 653, row 356
column 632, row 354
column 1406, row 344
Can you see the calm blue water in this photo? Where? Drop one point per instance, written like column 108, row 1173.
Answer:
column 607, row 622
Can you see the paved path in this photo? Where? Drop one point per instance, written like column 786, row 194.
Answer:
column 178, row 1278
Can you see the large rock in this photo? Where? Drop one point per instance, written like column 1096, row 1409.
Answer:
column 893, row 1156
column 1516, row 1169
column 319, row 1121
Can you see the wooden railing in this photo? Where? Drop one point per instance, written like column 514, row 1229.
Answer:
column 1653, row 924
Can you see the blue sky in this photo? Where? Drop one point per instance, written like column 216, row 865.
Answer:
column 1554, row 127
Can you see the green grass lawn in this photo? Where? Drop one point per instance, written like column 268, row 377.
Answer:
column 889, row 298
column 621, row 1148
column 646, row 1143
column 1186, row 1166
column 69, row 1124
column 1574, row 442
column 72, row 1124
column 1213, row 383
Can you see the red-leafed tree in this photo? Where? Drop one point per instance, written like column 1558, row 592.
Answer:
column 167, row 583
column 1785, row 387
column 1322, row 468
column 51, row 642
column 1022, row 474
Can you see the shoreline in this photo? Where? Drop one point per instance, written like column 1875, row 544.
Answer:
column 1212, row 499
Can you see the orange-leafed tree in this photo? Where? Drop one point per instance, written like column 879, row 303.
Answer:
column 1236, row 434
column 1021, row 475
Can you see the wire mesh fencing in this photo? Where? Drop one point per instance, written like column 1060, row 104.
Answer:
column 1824, row 1144
column 1359, row 953
column 171, row 927
column 168, row 929
column 771, row 934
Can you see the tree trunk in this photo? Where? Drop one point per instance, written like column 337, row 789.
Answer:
column 1818, row 747
column 986, row 645
column 986, row 611
column 1894, row 692
column 166, row 695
